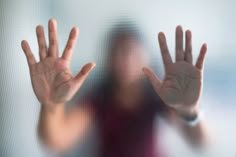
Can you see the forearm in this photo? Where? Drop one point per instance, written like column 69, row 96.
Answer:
column 60, row 129
column 51, row 125
column 195, row 134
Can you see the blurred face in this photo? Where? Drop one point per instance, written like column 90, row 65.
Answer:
column 128, row 58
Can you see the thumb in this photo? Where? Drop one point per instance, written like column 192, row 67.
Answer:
column 153, row 78
column 83, row 74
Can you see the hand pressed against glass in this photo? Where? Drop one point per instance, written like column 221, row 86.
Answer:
column 182, row 84
column 51, row 78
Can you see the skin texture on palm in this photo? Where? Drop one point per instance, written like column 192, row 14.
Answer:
column 181, row 87
column 51, row 78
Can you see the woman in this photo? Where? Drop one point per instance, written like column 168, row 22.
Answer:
column 124, row 105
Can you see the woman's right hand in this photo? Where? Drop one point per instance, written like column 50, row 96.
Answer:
column 51, row 78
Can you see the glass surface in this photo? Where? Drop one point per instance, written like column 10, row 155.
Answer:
column 211, row 22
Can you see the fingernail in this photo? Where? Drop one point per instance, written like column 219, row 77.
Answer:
column 93, row 65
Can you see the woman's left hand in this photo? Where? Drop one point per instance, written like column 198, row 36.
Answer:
column 182, row 84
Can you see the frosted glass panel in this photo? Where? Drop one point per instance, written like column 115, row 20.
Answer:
column 211, row 21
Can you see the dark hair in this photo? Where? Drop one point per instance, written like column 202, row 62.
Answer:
column 121, row 30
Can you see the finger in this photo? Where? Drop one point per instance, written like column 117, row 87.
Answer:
column 164, row 49
column 41, row 42
column 153, row 78
column 201, row 57
column 179, row 56
column 83, row 74
column 28, row 53
column 53, row 43
column 68, row 51
column 188, row 47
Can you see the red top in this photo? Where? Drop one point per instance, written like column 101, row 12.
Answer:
column 124, row 133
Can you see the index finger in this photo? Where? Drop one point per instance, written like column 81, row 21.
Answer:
column 164, row 49
column 28, row 53
column 201, row 57
column 68, row 51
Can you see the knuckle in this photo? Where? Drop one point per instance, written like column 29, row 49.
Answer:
column 42, row 47
column 29, row 55
column 53, row 41
column 69, row 46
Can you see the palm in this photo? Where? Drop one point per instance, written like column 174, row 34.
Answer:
column 51, row 77
column 182, row 84
column 50, row 80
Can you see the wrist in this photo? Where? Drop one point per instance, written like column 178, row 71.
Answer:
column 188, row 113
column 51, row 107
column 190, row 117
